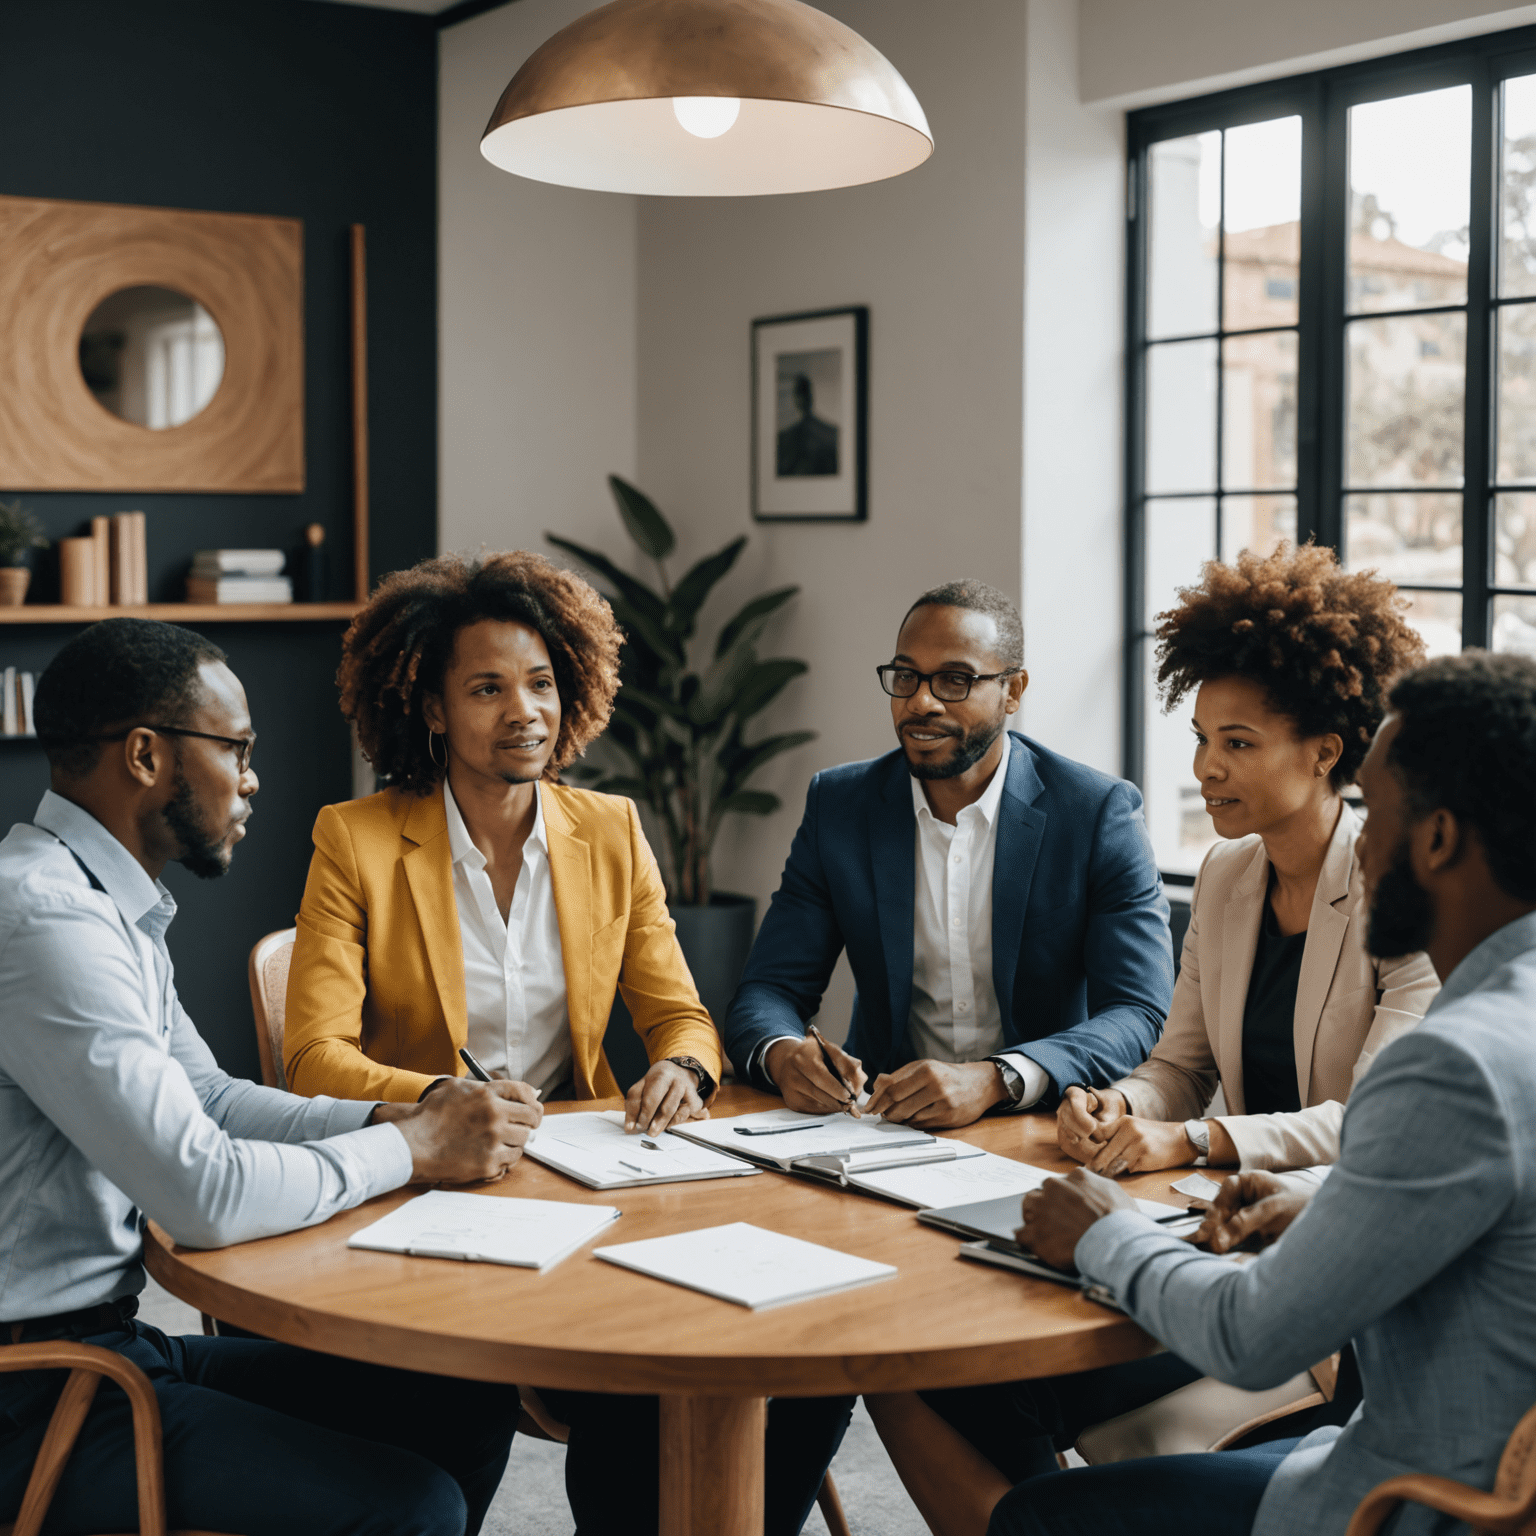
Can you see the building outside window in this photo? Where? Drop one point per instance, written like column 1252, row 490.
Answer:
column 1332, row 335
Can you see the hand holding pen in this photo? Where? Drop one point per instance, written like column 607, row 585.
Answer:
column 814, row 1075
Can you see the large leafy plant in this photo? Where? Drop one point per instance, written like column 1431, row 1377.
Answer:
column 680, row 727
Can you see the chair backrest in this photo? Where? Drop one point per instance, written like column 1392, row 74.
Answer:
column 270, row 960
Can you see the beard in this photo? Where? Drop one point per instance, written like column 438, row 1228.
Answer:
column 970, row 748
column 204, row 855
column 1402, row 917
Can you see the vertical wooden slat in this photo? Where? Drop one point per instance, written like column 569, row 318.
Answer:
column 360, row 582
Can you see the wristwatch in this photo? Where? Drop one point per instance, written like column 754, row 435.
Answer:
column 1013, row 1083
column 706, row 1082
column 1199, row 1134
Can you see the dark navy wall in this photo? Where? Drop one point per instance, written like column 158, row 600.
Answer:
column 321, row 112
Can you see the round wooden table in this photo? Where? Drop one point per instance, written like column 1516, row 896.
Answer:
column 587, row 1325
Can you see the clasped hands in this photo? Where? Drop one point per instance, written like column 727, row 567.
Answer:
column 1095, row 1126
column 1248, row 1206
column 928, row 1094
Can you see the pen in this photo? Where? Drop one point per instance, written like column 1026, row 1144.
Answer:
column 475, row 1069
column 826, row 1056
column 634, row 1166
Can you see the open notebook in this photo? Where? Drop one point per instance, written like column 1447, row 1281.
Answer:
column 591, row 1147
column 782, row 1138
column 488, row 1229
column 748, row 1265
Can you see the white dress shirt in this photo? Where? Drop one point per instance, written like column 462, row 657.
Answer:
column 514, row 971
column 111, row 1106
column 955, row 1014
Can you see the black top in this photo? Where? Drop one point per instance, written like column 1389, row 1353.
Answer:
column 1269, row 1021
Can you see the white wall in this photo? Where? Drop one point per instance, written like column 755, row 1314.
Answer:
column 537, row 310
column 1138, row 51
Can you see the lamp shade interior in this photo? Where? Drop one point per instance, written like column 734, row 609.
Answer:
column 641, row 146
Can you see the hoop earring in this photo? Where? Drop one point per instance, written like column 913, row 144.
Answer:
column 431, row 737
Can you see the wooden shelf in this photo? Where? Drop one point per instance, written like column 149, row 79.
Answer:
column 182, row 613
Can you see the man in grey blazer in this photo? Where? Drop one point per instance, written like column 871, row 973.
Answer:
column 1420, row 1246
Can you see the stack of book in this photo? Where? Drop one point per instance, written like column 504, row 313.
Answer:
column 16, row 706
column 239, row 576
column 107, row 566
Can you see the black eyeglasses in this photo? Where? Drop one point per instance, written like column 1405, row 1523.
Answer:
column 951, row 687
column 243, row 744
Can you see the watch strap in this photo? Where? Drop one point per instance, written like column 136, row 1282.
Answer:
column 1199, row 1134
column 699, row 1070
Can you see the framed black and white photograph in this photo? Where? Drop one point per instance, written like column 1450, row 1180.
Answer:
column 809, row 416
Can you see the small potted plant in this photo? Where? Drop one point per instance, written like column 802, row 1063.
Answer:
column 20, row 534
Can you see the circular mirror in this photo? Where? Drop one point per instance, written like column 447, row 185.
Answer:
column 152, row 356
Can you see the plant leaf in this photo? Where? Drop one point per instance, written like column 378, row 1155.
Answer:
column 644, row 523
column 754, row 802
column 621, row 784
column 689, row 594
column 662, row 646
column 739, row 763
column 758, row 609
column 722, row 686
column 640, row 596
column 657, row 703
column 766, row 682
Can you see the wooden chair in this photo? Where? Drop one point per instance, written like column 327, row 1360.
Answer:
column 87, row 1364
column 268, row 970
column 1510, row 1510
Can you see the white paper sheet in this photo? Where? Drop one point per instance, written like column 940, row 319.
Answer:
column 490, row 1229
column 748, row 1265
column 1198, row 1187
column 804, row 1136
column 977, row 1177
column 591, row 1147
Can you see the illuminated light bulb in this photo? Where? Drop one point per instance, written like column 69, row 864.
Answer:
column 706, row 117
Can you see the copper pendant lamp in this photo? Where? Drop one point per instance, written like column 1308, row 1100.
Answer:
column 707, row 98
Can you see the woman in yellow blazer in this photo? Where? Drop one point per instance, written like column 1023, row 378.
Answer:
column 478, row 902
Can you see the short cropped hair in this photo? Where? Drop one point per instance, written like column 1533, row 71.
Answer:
column 398, row 648
column 980, row 598
column 1325, row 644
column 120, row 672
column 1468, row 743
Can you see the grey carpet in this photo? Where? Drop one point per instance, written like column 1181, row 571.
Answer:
column 532, row 1502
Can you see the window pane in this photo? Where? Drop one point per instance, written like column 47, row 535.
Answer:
column 1262, row 213
column 1259, row 523
column 1514, row 539
column 1177, row 821
column 1181, row 536
column 1514, row 625
column 1258, row 422
column 1181, row 417
column 1517, row 392
column 1185, row 209
column 1407, row 389
column 1407, row 536
column 1517, row 266
column 1437, row 617
column 1410, row 171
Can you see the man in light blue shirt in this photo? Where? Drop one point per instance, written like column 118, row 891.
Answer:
column 112, row 1109
column 1420, row 1246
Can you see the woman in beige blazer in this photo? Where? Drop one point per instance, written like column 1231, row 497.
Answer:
column 1278, row 1000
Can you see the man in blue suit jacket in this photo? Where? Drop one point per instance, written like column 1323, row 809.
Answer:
column 999, row 904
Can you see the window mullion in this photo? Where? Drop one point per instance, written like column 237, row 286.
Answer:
column 1330, row 230
column 1482, row 245
column 1133, row 711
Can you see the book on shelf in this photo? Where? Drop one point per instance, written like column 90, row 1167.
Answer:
column 16, row 703
column 26, row 684
column 239, row 589
column 130, row 564
column 8, row 723
column 214, row 563
column 101, row 539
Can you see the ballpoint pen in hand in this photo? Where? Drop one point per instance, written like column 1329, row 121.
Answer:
column 826, row 1055
column 475, row 1069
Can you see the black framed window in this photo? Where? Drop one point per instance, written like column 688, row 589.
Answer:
column 1331, row 334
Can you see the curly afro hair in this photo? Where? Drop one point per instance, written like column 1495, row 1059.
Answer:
column 1325, row 644
column 397, row 649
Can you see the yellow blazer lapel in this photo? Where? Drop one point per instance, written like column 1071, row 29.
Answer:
column 570, row 872
column 1239, row 938
column 429, row 874
column 1326, row 926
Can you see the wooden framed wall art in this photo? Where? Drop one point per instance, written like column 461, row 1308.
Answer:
column 150, row 349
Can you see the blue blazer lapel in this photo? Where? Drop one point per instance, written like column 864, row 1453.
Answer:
column 1020, row 830
column 892, row 857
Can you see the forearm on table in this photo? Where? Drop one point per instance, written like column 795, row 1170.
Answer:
column 1300, row 1139
column 1163, row 1090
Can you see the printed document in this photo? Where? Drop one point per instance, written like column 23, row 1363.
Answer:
column 748, row 1265
column 488, row 1229
column 775, row 1138
column 591, row 1147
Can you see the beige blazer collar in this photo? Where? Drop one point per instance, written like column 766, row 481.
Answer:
column 1326, row 927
